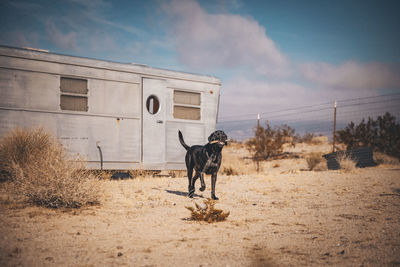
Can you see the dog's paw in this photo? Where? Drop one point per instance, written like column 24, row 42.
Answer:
column 191, row 194
column 202, row 188
column 214, row 197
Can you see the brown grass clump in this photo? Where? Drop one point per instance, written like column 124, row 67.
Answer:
column 322, row 166
column 19, row 147
column 381, row 158
column 319, row 140
column 345, row 162
column 229, row 171
column 208, row 213
column 39, row 171
column 314, row 159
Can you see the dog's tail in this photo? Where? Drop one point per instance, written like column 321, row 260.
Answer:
column 181, row 140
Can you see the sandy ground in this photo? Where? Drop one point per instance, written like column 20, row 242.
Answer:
column 280, row 217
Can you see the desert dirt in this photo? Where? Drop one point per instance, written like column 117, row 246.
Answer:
column 282, row 216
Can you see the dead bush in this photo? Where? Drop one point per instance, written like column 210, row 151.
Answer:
column 346, row 163
column 314, row 159
column 319, row 140
column 208, row 213
column 39, row 170
column 229, row 171
column 19, row 147
column 322, row 166
column 268, row 142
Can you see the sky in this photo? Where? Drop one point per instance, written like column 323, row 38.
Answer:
column 269, row 55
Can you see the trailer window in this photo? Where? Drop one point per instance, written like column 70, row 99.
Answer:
column 73, row 94
column 187, row 105
column 152, row 104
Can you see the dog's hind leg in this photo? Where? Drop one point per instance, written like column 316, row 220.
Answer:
column 191, row 185
column 213, row 182
column 203, row 184
column 189, row 175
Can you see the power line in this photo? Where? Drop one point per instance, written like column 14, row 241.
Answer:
column 314, row 110
column 367, row 97
column 312, row 106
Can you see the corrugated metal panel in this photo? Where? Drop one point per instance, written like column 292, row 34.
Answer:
column 193, row 134
column 110, row 112
column 117, row 68
column 363, row 157
column 29, row 90
column 115, row 98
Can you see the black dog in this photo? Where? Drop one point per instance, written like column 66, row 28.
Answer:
column 204, row 159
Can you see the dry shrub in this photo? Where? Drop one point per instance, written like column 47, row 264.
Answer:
column 208, row 213
column 319, row 140
column 19, row 147
column 142, row 174
column 39, row 170
column 381, row 158
column 314, row 159
column 177, row 173
column 229, row 171
column 346, row 163
column 383, row 134
column 322, row 166
column 268, row 142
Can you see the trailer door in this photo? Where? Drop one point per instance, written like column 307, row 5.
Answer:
column 153, row 149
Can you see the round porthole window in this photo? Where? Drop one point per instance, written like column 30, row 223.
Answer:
column 152, row 104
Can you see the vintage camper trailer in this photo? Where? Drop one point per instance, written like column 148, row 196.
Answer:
column 119, row 116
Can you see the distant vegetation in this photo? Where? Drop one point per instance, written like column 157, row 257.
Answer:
column 383, row 134
column 268, row 141
column 38, row 171
column 316, row 162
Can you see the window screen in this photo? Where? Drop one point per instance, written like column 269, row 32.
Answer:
column 75, row 86
column 77, row 103
column 73, row 94
column 189, row 98
column 188, row 113
column 187, row 105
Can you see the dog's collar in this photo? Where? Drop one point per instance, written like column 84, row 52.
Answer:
column 213, row 142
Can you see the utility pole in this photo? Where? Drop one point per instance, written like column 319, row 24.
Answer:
column 334, row 128
column 257, row 136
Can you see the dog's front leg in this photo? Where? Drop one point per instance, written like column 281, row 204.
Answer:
column 203, row 184
column 213, row 182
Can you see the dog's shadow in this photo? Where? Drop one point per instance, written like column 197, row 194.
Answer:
column 180, row 193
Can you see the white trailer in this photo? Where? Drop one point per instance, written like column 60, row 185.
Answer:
column 129, row 112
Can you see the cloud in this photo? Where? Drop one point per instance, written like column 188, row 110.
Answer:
column 23, row 39
column 96, row 10
column 244, row 95
column 204, row 40
column 352, row 75
column 60, row 39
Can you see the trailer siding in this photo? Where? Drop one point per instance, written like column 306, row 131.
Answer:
column 30, row 96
